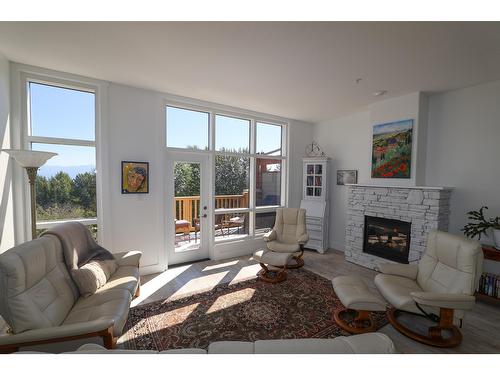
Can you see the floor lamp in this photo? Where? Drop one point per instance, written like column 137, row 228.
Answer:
column 31, row 161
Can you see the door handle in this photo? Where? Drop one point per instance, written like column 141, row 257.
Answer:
column 204, row 207
column 204, row 215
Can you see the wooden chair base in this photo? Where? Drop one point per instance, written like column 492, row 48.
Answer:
column 273, row 277
column 138, row 290
column 109, row 341
column 435, row 334
column 299, row 261
column 354, row 321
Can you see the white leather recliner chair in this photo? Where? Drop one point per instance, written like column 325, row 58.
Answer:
column 285, row 245
column 443, row 282
column 289, row 234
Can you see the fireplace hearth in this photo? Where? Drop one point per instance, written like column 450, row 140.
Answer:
column 387, row 238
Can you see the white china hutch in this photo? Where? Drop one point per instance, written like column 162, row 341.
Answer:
column 315, row 201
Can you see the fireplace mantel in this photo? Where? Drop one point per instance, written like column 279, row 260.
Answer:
column 427, row 208
column 403, row 187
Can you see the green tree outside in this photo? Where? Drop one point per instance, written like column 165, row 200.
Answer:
column 60, row 197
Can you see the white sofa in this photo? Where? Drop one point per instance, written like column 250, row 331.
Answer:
column 41, row 303
column 368, row 343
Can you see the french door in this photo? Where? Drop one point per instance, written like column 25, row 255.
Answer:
column 188, row 207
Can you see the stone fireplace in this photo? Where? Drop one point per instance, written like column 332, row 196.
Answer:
column 410, row 213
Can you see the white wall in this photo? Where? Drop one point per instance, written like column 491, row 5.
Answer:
column 135, row 118
column 458, row 145
column 345, row 141
column 301, row 133
column 6, row 210
column 463, row 149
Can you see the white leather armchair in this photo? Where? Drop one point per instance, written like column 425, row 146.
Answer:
column 289, row 234
column 443, row 283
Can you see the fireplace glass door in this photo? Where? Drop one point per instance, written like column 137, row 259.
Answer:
column 387, row 238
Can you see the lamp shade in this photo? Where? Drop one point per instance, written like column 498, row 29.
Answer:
column 29, row 158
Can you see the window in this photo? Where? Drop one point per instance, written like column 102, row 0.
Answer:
column 268, row 139
column 248, row 160
column 268, row 182
column 61, row 113
column 62, row 120
column 231, row 225
column 232, row 181
column 232, row 134
column 187, row 128
column 264, row 221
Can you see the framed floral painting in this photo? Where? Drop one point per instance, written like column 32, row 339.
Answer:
column 391, row 149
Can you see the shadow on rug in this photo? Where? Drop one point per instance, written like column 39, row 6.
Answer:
column 300, row 307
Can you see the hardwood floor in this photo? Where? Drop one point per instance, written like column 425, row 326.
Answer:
column 481, row 330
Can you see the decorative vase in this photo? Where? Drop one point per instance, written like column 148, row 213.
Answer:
column 496, row 237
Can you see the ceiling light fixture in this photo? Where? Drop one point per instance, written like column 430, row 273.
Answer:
column 380, row 93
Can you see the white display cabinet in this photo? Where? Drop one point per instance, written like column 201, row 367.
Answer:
column 315, row 201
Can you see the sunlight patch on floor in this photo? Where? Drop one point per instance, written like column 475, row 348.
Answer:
column 152, row 286
column 200, row 284
column 231, row 299
column 172, row 317
column 245, row 273
column 220, row 265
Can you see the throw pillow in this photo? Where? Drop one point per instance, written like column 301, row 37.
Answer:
column 93, row 275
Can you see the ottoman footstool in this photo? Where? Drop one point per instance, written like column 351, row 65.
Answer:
column 358, row 303
column 273, row 265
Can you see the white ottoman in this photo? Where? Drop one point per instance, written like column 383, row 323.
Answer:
column 273, row 265
column 358, row 302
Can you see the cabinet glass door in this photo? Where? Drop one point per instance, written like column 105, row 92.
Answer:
column 314, row 180
column 310, row 180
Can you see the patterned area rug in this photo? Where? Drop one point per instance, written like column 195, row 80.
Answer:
column 300, row 307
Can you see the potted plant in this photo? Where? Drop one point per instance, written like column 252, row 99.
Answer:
column 480, row 225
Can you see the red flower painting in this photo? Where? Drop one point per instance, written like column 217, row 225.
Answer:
column 391, row 150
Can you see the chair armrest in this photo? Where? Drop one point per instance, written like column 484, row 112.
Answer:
column 303, row 239
column 128, row 258
column 405, row 270
column 58, row 333
column 444, row 300
column 270, row 236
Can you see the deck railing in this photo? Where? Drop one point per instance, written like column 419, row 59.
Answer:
column 188, row 208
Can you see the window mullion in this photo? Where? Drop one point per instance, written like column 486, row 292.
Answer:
column 60, row 141
column 251, row 179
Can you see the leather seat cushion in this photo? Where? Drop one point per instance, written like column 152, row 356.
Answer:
column 396, row 290
column 231, row 347
column 112, row 304
column 282, row 247
column 354, row 294
column 369, row 343
column 272, row 258
column 125, row 277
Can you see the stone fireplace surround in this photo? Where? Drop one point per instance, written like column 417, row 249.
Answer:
column 426, row 208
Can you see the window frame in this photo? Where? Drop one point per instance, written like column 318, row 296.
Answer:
column 27, row 139
column 253, row 118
